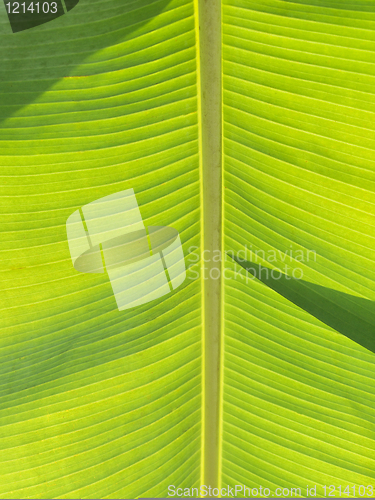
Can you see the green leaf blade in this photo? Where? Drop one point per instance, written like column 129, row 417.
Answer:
column 299, row 152
column 97, row 402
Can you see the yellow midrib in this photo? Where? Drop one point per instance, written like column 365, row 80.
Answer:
column 209, row 71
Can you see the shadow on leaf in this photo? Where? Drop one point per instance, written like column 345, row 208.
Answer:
column 343, row 5
column 32, row 61
column 349, row 315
